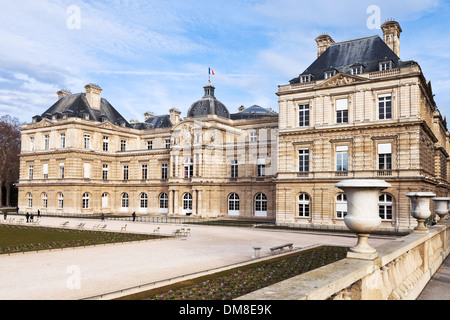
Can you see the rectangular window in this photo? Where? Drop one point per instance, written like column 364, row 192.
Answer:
column 305, row 78
column 105, row 171
column 167, row 143
column 30, row 171
column 105, row 143
column 123, row 145
column 125, row 172
column 46, row 142
column 61, row 170
column 342, row 111
column 31, row 143
column 386, row 65
column 45, row 170
column 303, row 160
column 357, row 70
column 303, row 115
column 144, row 172
column 261, row 167
column 87, row 170
column 253, row 137
column 234, row 168
column 329, row 74
column 63, row 140
column 385, row 156
column 385, row 107
column 164, row 171
column 149, row 145
column 342, row 158
column 87, row 141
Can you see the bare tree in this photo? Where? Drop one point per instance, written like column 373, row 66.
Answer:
column 10, row 139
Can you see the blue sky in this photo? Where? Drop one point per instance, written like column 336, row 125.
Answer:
column 154, row 55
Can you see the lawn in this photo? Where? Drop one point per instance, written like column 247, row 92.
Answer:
column 15, row 238
column 241, row 281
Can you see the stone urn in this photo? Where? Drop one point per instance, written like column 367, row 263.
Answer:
column 420, row 209
column 441, row 208
column 363, row 213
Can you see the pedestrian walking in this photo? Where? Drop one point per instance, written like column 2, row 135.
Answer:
column 103, row 217
column 134, row 216
column 5, row 214
column 31, row 217
column 39, row 213
column 27, row 216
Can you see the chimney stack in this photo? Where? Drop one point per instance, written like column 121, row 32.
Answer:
column 148, row 115
column 62, row 93
column 175, row 116
column 93, row 95
column 391, row 35
column 324, row 41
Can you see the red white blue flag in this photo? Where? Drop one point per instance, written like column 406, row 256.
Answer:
column 211, row 71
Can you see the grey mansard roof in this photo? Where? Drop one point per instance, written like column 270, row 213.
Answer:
column 154, row 122
column 76, row 105
column 253, row 112
column 342, row 56
column 208, row 105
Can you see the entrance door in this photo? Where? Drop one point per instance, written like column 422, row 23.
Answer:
column 187, row 204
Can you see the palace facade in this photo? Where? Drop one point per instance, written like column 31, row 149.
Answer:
column 357, row 112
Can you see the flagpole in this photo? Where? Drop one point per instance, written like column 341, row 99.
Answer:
column 209, row 74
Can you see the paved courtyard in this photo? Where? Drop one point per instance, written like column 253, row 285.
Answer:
column 85, row 272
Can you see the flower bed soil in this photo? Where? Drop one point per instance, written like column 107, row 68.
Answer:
column 241, row 281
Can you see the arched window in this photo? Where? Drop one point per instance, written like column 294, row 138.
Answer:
column 260, row 205
column 163, row 203
column 187, row 203
column 86, row 198
column 44, row 200
column 233, row 204
column 105, row 200
column 341, row 206
column 385, row 206
column 188, row 168
column 60, row 200
column 144, row 200
column 30, row 200
column 125, row 200
column 304, row 202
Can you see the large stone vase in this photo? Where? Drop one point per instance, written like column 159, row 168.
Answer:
column 441, row 208
column 363, row 213
column 420, row 209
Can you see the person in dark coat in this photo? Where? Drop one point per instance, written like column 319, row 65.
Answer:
column 134, row 216
column 27, row 216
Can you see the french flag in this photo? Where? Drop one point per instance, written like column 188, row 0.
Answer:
column 211, row 71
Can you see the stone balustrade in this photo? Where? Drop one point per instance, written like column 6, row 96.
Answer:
column 399, row 271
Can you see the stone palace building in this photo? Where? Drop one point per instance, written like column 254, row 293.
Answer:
column 358, row 111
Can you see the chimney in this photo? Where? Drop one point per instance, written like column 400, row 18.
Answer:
column 93, row 95
column 62, row 93
column 148, row 115
column 241, row 108
column 324, row 41
column 175, row 116
column 391, row 35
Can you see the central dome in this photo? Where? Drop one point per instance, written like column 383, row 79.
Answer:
column 208, row 104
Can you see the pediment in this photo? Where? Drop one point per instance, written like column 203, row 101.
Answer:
column 106, row 125
column 341, row 79
column 44, row 123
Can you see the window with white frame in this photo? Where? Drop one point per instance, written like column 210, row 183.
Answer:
column 86, row 199
column 188, row 168
column 126, row 172
column 163, row 201
column 60, row 200
column 163, row 171
column 105, row 172
column 47, row 142
column 30, row 171
column 61, row 170
column 144, row 200
column 144, row 171
column 385, row 206
column 261, row 166
column 187, row 202
column 356, row 70
column 385, row 65
column 385, row 156
column 123, row 145
column 31, row 143
column 234, row 169
column 63, row 140
column 125, row 200
column 260, row 205
column 305, row 78
column 341, row 206
column 44, row 200
column 253, row 136
column 304, row 202
column 45, row 170
column 385, row 107
column 87, row 141
column 149, row 145
column 342, row 111
column 303, row 160
column 233, row 204
column 330, row 74
column 167, row 143
column 30, row 200
column 303, row 115
column 105, row 200
column 342, row 158
column 105, row 143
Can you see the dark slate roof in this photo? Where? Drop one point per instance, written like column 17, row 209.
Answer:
column 341, row 56
column 253, row 112
column 208, row 105
column 154, row 122
column 76, row 105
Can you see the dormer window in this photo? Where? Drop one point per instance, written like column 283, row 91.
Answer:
column 86, row 116
column 356, row 70
column 305, row 78
column 330, row 74
column 385, row 65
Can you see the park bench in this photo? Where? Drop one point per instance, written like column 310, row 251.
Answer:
column 64, row 224
column 181, row 232
column 156, row 231
column 80, row 226
column 282, row 248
